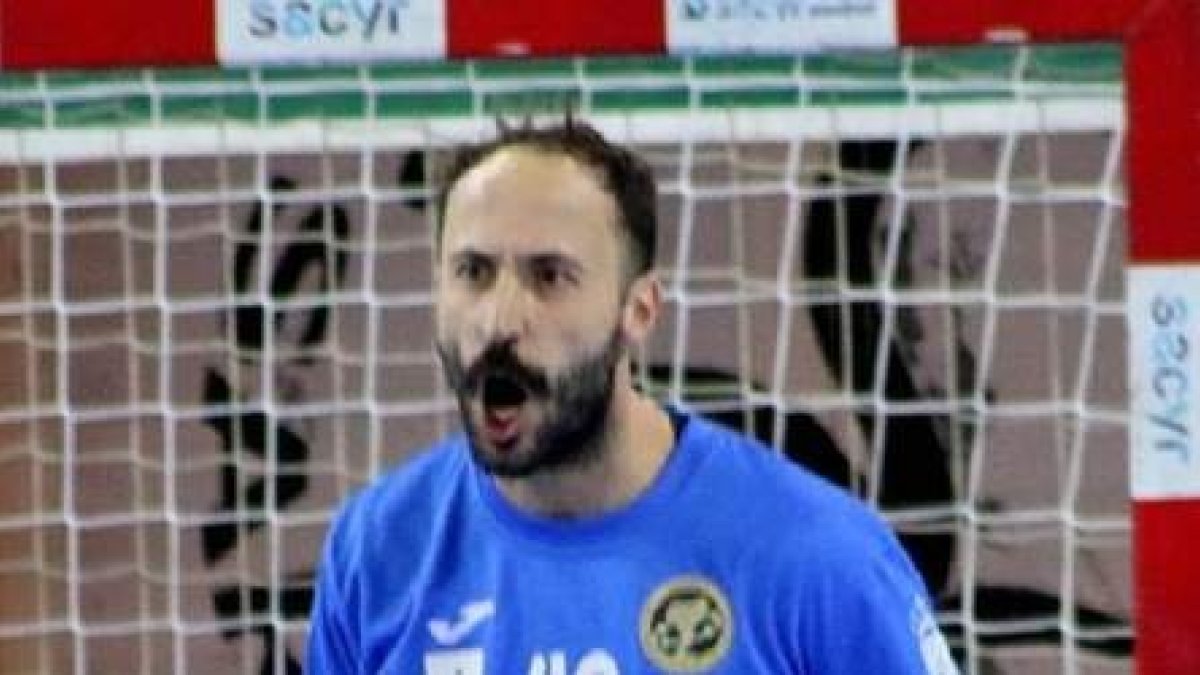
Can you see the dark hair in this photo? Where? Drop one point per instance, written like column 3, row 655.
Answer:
column 624, row 175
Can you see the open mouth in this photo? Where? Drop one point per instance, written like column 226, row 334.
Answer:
column 503, row 391
column 502, row 397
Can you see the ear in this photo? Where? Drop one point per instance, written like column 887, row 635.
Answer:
column 643, row 303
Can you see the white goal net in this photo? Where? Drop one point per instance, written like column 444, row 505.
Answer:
column 904, row 270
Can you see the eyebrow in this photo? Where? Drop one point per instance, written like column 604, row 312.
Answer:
column 535, row 258
column 468, row 253
column 554, row 258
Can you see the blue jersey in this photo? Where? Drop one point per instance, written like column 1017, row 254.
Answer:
column 733, row 561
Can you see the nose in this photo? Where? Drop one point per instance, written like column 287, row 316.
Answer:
column 503, row 311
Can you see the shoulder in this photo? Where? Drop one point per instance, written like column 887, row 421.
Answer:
column 760, row 483
column 372, row 550
column 844, row 590
column 789, row 520
column 419, row 483
column 403, row 502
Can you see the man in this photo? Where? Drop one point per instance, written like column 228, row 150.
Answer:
column 576, row 526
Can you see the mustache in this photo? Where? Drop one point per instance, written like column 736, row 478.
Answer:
column 500, row 360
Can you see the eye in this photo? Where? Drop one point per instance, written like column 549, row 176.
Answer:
column 548, row 275
column 552, row 274
column 475, row 270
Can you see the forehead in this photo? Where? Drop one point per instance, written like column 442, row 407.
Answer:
column 522, row 196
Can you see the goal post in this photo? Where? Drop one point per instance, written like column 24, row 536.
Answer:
column 939, row 252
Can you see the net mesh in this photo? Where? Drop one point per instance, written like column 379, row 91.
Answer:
column 903, row 270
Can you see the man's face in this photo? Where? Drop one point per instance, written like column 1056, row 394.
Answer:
column 529, row 309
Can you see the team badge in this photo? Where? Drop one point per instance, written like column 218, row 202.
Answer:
column 686, row 625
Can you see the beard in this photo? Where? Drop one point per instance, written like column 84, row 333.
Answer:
column 574, row 402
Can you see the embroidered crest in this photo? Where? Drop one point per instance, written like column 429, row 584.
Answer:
column 686, row 625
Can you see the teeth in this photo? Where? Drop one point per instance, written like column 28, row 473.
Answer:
column 502, row 415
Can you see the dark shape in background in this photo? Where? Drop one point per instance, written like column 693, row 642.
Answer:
column 240, row 432
column 293, row 602
column 915, row 463
column 310, row 250
column 315, row 245
column 916, row 459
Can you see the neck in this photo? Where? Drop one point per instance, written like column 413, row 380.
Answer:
column 633, row 449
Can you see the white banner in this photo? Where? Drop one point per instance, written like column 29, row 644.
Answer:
column 1164, row 333
column 785, row 26
column 306, row 31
